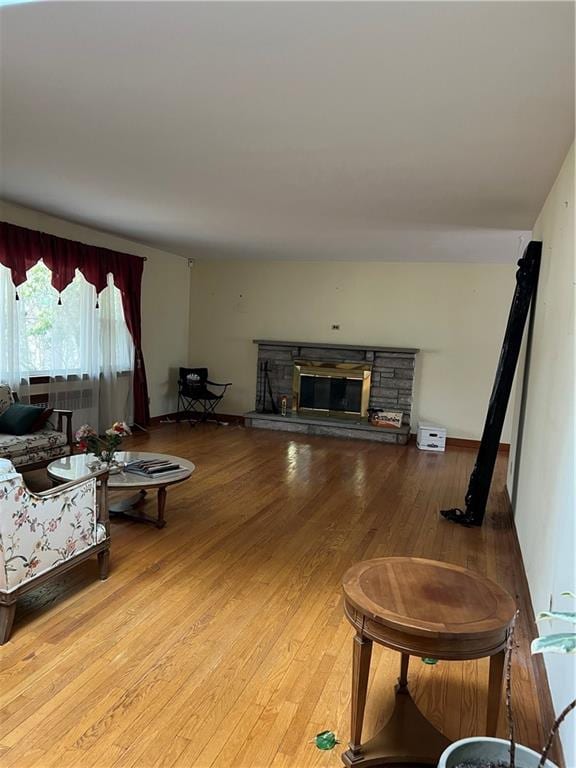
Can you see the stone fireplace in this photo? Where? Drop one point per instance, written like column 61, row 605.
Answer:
column 329, row 389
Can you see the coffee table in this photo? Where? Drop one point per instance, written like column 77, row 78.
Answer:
column 428, row 609
column 75, row 467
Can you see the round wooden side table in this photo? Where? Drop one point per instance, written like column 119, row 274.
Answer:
column 428, row 609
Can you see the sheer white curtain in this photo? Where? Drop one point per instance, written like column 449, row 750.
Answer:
column 116, row 359
column 79, row 345
column 10, row 320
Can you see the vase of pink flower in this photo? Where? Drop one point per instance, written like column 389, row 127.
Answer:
column 103, row 447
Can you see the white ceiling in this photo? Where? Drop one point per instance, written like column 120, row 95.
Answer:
column 391, row 130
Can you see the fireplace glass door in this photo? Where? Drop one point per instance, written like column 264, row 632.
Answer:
column 331, row 388
column 328, row 393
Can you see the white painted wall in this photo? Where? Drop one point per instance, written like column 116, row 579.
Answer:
column 455, row 313
column 165, row 299
column 543, row 491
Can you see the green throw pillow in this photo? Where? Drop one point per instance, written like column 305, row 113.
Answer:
column 19, row 419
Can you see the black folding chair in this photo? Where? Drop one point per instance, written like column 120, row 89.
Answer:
column 196, row 402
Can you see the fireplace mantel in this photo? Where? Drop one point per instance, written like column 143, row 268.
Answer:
column 325, row 345
column 391, row 388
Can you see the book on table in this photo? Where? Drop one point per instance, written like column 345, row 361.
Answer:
column 153, row 468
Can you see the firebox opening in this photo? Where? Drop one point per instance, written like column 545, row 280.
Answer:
column 331, row 388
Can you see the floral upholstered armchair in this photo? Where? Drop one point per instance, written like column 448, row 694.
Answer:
column 44, row 534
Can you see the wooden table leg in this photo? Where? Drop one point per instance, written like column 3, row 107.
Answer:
column 494, row 691
column 407, row 739
column 402, row 686
column 360, row 669
column 161, row 507
column 103, row 564
column 7, row 613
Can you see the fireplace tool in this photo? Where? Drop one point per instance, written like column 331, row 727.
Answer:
column 266, row 388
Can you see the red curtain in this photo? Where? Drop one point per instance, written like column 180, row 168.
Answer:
column 21, row 248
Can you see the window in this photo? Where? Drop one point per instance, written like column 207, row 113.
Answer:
column 65, row 350
column 66, row 334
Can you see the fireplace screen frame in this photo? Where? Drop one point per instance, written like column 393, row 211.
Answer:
column 334, row 370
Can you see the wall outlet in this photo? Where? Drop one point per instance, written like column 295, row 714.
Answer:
column 335, row 326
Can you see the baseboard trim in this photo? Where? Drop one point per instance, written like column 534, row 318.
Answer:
column 544, row 695
column 463, row 442
column 229, row 418
column 232, row 418
column 154, row 420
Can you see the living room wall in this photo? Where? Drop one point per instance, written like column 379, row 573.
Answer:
column 455, row 313
column 165, row 299
column 541, row 468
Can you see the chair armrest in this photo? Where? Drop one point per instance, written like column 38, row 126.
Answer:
column 65, row 415
column 101, row 475
column 40, row 531
column 217, row 384
column 102, row 491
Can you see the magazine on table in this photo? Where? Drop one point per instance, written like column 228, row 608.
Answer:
column 153, row 468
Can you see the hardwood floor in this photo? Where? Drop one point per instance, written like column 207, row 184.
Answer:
column 220, row 640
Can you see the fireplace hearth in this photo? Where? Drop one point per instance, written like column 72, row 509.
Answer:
column 329, row 389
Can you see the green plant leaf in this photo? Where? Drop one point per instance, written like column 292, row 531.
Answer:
column 568, row 594
column 569, row 616
column 563, row 643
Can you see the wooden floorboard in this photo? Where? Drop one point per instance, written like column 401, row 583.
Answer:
column 220, row 641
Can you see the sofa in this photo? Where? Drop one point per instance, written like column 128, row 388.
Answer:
column 44, row 534
column 36, row 449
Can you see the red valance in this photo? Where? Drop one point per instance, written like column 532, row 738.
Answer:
column 21, row 248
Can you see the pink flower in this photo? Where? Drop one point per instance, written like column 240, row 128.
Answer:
column 119, row 428
column 20, row 518
column 70, row 546
column 85, row 431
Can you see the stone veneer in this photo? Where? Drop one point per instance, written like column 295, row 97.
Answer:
column 391, row 384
